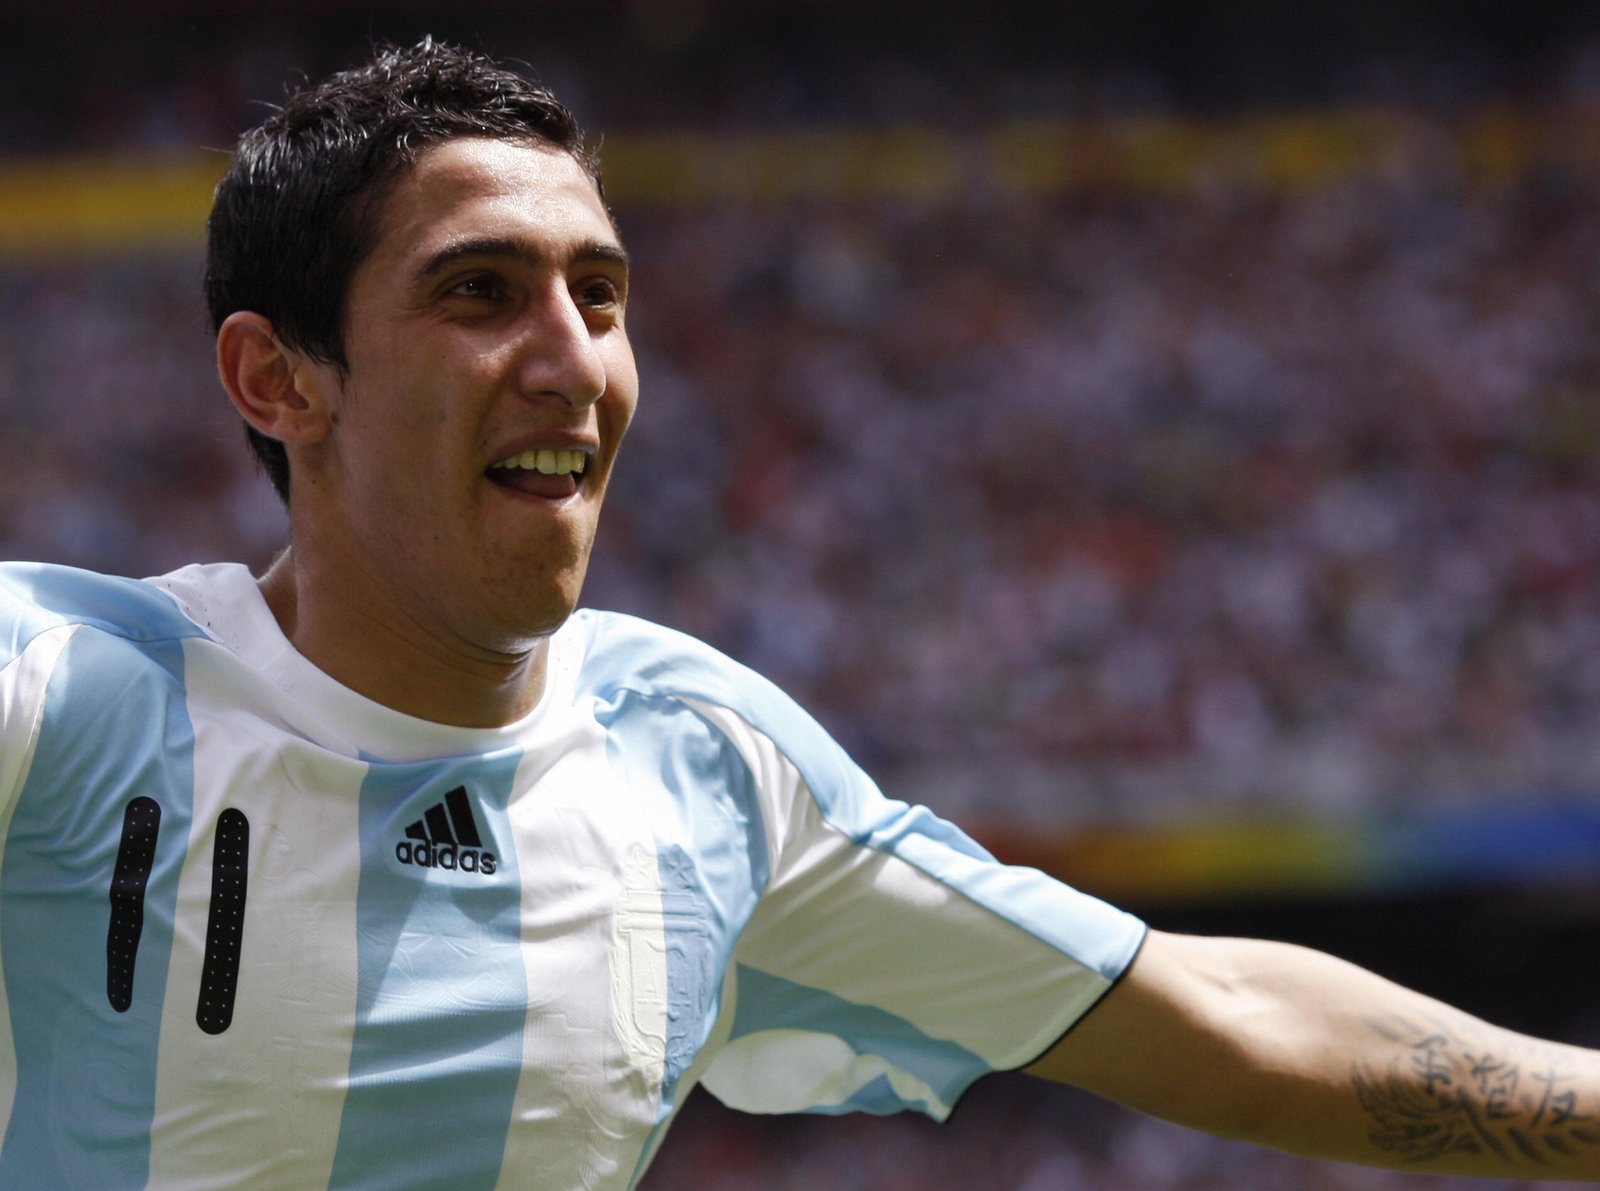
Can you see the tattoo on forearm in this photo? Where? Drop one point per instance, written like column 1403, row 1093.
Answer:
column 1452, row 1088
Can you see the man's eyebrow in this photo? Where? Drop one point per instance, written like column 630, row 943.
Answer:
column 602, row 252
column 588, row 251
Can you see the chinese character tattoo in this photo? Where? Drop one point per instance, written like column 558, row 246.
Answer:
column 1458, row 1088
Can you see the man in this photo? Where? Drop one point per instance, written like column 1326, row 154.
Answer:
column 389, row 869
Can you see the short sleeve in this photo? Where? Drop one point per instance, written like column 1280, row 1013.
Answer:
column 42, row 607
column 31, row 643
column 892, row 961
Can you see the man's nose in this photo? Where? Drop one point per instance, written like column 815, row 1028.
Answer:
column 559, row 354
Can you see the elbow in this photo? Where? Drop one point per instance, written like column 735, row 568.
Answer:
column 1194, row 1036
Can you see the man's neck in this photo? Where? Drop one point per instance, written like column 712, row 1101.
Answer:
column 389, row 660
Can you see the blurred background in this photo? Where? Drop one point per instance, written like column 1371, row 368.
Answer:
column 1164, row 438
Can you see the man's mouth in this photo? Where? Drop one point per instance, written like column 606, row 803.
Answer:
column 547, row 473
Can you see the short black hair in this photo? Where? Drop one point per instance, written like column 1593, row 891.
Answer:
column 296, row 212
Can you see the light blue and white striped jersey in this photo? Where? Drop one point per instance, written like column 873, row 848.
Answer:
column 259, row 931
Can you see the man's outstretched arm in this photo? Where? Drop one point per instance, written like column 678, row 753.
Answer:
column 1294, row 1049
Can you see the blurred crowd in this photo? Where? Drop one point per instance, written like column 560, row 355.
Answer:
column 1079, row 507
column 1024, row 1136
column 1107, row 505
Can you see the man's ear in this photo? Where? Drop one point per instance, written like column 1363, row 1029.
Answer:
column 278, row 390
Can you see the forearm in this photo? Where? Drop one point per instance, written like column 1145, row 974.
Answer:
column 1297, row 1050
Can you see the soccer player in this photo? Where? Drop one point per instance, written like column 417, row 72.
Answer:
column 390, row 869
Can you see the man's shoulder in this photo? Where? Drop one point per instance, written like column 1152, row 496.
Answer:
column 101, row 645
column 36, row 597
column 622, row 652
column 630, row 665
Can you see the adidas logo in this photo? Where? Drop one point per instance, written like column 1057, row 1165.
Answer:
column 446, row 837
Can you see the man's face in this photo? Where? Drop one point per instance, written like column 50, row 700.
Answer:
column 489, row 383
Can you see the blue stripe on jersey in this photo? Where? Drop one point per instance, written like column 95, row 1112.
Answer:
column 116, row 727
column 768, row 1002
column 710, row 880
column 441, row 998
column 37, row 596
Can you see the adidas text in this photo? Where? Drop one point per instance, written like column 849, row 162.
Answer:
column 444, row 856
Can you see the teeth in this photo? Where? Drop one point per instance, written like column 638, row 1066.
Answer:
column 548, row 462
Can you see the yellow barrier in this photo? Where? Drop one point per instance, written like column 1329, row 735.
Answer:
column 101, row 204
column 105, row 204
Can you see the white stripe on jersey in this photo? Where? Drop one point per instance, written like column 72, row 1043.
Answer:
column 286, row 1054
column 574, row 1062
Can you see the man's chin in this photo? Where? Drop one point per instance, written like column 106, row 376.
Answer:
column 523, row 626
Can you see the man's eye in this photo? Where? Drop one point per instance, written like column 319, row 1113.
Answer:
column 599, row 292
column 476, row 287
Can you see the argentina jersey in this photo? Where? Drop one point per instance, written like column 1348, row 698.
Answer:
column 259, row 931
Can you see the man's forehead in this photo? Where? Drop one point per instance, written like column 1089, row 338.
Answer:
column 470, row 187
